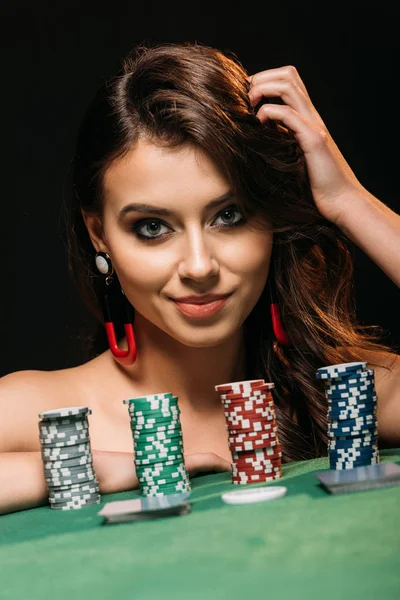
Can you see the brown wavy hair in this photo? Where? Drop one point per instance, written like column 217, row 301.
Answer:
column 189, row 93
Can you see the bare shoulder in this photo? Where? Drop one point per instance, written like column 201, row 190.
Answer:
column 386, row 365
column 386, row 368
column 23, row 394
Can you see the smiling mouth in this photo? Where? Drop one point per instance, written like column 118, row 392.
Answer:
column 201, row 311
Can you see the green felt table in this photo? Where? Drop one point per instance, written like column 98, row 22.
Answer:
column 308, row 544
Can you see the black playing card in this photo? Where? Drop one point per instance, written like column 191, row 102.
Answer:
column 139, row 509
column 360, row 478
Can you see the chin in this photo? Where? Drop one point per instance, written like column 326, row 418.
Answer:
column 205, row 340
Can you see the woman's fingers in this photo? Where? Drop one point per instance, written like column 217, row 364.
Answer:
column 290, row 94
column 310, row 135
column 287, row 73
column 331, row 178
column 297, row 113
column 281, row 84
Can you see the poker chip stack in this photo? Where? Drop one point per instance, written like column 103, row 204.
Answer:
column 67, row 458
column 252, row 431
column 352, row 422
column 158, row 444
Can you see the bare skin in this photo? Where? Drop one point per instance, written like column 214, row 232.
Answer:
column 195, row 250
column 191, row 256
column 99, row 385
column 204, row 246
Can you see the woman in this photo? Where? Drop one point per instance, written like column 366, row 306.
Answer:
column 192, row 179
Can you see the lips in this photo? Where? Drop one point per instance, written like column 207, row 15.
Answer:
column 200, row 299
column 201, row 310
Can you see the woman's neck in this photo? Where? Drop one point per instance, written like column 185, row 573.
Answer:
column 165, row 365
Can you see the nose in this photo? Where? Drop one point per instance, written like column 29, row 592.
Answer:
column 198, row 261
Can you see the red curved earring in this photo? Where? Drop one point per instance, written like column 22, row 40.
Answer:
column 124, row 357
column 277, row 327
column 109, row 302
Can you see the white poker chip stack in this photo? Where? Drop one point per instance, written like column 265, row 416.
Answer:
column 67, row 458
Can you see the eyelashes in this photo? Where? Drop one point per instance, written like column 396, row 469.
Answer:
column 138, row 227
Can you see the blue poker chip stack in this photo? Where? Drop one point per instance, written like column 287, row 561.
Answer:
column 352, row 423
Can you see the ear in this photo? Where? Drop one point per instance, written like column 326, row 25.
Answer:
column 94, row 227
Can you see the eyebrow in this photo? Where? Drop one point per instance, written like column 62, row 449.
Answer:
column 149, row 208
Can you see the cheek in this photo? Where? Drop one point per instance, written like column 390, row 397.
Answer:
column 251, row 256
column 141, row 270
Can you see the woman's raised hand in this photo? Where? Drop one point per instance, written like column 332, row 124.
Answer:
column 331, row 178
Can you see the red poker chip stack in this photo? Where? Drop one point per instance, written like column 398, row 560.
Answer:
column 252, row 431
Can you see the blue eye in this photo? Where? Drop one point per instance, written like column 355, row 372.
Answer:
column 152, row 226
column 228, row 211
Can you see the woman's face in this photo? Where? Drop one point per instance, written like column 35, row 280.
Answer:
column 180, row 245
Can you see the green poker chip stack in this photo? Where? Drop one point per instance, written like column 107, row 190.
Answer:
column 67, row 458
column 158, row 444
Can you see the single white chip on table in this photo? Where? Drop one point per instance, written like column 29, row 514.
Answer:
column 261, row 494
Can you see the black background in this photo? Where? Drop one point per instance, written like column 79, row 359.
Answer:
column 55, row 56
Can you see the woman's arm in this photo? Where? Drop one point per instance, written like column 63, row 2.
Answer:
column 337, row 193
column 375, row 228
column 341, row 199
column 23, row 485
column 22, row 482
